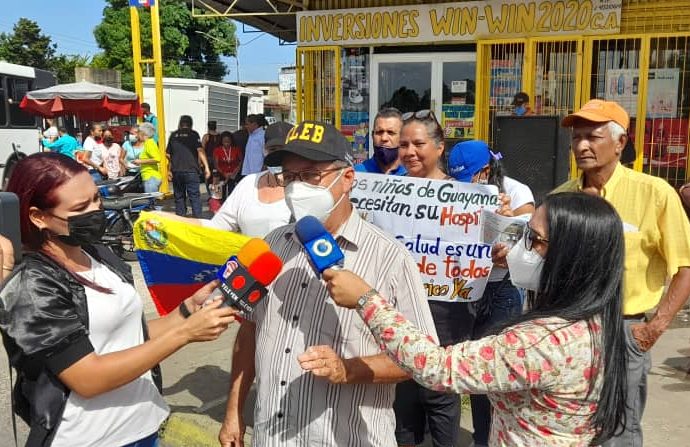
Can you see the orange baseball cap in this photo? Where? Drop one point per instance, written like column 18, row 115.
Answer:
column 599, row 111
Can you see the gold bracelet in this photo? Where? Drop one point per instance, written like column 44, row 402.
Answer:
column 7, row 268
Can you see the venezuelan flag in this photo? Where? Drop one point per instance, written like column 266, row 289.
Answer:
column 177, row 258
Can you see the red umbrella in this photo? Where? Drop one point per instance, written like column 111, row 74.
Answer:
column 88, row 101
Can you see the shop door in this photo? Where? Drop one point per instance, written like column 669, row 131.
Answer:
column 442, row 82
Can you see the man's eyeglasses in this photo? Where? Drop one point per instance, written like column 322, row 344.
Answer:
column 531, row 237
column 312, row 176
column 419, row 115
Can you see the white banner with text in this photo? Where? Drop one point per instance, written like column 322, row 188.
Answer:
column 439, row 223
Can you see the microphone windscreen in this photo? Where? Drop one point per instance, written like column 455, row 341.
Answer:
column 250, row 251
column 265, row 268
column 309, row 228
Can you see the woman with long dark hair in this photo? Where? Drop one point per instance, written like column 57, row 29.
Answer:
column 556, row 375
column 72, row 322
column 473, row 161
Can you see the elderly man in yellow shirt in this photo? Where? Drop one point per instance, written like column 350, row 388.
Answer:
column 657, row 241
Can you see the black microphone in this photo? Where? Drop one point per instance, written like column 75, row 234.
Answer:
column 244, row 287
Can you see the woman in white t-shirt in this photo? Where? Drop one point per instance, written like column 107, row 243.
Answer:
column 111, row 152
column 93, row 159
column 73, row 324
column 473, row 162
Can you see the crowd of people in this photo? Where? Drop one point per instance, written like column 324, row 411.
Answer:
column 219, row 160
column 555, row 352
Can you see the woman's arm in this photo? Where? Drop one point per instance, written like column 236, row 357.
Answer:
column 521, row 358
column 174, row 319
column 95, row 374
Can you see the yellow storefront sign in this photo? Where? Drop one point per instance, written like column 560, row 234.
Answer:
column 466, row 21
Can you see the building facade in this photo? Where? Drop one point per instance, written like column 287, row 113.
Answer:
column 466, row 60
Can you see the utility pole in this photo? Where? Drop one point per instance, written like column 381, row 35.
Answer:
column 157, row 61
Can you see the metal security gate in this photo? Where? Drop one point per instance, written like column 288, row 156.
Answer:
column 499, row 77
column 319, row 95
column 648, row 74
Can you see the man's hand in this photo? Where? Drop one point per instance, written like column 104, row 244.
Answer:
column 645, row 335
column 322, row 361
column 498, row 255
column 207, row 173
column 232, row 431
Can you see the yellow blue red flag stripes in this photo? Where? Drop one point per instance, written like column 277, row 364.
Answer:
column 177, row 258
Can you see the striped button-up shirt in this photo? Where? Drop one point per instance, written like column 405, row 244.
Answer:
column 294, row 408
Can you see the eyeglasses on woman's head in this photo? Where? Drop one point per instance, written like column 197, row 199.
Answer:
column 425, row 114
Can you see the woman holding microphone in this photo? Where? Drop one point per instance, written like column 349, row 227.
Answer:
column 72, row 322
column 556, row 375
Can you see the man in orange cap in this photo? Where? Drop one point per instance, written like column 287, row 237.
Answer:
column 657, row 242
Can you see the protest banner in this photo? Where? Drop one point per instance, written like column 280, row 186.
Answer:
column 439, row 223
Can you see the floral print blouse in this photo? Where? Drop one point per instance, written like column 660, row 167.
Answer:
column 542, row 377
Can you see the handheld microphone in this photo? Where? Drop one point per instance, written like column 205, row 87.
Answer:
column 246, row 286
column 244, row 277
column 320, row 246
column 247, row 254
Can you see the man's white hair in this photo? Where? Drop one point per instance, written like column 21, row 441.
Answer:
column 616, row 130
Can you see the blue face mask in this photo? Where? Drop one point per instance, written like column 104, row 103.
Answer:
column 520, row 110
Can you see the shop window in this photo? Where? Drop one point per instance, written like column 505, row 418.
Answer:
column 354, row 122
column 405, row 85
column 554, row 81
column 16, row 89
column 667, row 109
column 458, row 96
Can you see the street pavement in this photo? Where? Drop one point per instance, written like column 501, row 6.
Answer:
column 196, row 382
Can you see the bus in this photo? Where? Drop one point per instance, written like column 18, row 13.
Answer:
column 19, row 131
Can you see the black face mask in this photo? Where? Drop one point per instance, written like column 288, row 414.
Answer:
column 84, row 229
column 108, row 141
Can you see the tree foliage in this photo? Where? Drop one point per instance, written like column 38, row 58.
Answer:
column 191, row 47
column 63, row 66
column 26, row 45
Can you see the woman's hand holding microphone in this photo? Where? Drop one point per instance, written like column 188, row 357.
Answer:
column 345, row 287
column 207, row 320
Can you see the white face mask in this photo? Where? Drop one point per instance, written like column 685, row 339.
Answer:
column 525, row 266
column 305, row 199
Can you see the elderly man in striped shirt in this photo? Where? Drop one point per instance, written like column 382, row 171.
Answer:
column 321, row 377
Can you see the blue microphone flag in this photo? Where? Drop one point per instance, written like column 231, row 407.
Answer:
column 320, row 246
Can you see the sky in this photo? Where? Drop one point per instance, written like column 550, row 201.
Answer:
column 71, row 28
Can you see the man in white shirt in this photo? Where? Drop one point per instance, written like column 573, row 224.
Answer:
column 349, row 401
